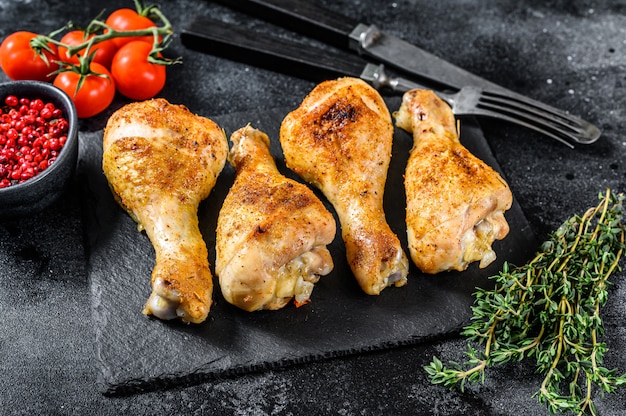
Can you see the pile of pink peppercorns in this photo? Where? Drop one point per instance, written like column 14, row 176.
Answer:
column 32, row 133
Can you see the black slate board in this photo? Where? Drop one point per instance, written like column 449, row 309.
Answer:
column 137, row 353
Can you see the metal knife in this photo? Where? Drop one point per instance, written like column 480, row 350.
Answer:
column 341, row 31
column 271, row 52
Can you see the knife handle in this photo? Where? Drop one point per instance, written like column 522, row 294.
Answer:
column 278, row 54
column 302, row 17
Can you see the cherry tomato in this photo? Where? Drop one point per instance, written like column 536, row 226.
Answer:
column 134, row 76
column 104, row 50
column 20, row 62
column 128, row 19
column 95, row 94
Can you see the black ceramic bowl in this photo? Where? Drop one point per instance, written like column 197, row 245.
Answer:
column 40, row 191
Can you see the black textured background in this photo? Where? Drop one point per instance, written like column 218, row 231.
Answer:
column 567, row 53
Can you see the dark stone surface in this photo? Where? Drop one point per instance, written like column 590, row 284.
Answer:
column 340, row 319
column 567, row 53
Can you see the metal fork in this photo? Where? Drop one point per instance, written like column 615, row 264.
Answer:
column 280, row 54
column 473, row 101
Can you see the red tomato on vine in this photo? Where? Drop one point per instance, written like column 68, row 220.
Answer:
column 94, row 95
column 134, row 76
column 128, row 19
column 104, row 50
column 19, row 61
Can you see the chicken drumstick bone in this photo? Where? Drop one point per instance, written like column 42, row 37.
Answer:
column 161, row 161
column 340, row 140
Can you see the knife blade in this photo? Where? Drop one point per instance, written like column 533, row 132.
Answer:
column 371, row 41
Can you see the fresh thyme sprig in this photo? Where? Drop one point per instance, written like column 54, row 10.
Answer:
column 549, row 310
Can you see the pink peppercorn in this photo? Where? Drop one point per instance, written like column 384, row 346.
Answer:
column 32, row 133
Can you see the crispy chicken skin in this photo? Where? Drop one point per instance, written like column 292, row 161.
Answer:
column 455, row 202
column 271, row 231
column 339, row 139
column 161, row 161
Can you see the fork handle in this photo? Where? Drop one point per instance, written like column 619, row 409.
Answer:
column 300, row 16
column 264, row 50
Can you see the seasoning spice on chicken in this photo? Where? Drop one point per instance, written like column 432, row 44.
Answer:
column 161, row 161
column 272, row 231
column 340, row 140
column 455, row 202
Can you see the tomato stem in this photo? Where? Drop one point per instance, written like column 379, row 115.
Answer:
column 145, row 11
column 42, row 42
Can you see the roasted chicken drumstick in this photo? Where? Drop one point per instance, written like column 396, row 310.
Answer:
column 340, row 140
column 161, row 161
column 271, row 231
column 455, row 202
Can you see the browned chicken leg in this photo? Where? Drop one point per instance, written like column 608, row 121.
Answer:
column 455, row 202
column 271, row 232
column 340, row 140
column 161, row 161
